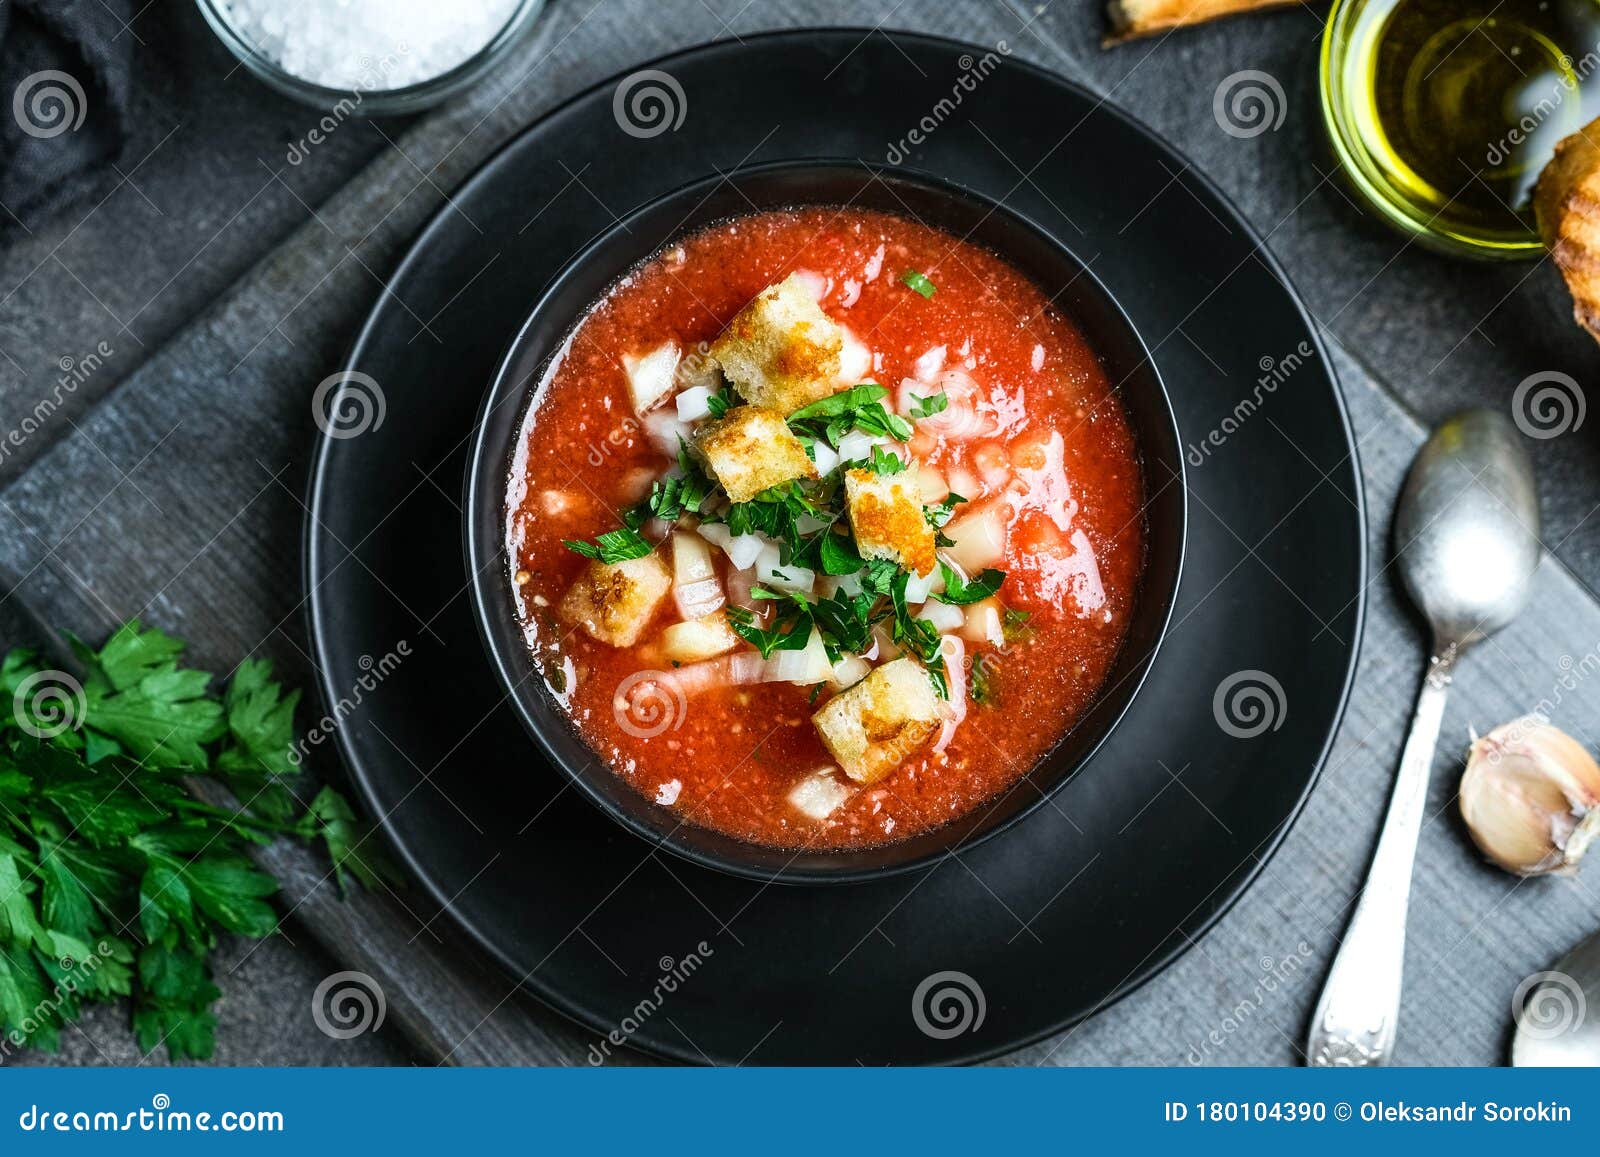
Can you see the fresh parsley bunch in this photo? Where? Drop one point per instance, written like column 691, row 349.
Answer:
column 114, row 880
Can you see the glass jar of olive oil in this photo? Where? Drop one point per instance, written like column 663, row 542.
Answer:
column 1443, row 112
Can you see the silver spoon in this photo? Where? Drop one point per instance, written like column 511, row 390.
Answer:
column 1467, row 544
column 1558, row 1025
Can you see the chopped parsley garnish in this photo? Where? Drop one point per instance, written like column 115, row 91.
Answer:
column 959, row 591
column 917, row 282
column 939, row 513
column 984, row 691
column 883, row 462
column 927, row 407
column 612, row 547
column 791, row 625
column 1014, row 626
column 858, row 408
column 722, row 401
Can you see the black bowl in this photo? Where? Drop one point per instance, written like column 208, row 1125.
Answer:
column 1070, row 285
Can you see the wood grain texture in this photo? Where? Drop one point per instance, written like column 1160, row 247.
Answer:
column 179, row 498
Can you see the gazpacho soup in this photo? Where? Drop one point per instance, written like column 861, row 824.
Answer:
column 824, row 527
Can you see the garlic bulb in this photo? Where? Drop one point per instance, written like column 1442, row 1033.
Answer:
column 1529, row 796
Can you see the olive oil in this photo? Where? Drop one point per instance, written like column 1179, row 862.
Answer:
column 1445, row 111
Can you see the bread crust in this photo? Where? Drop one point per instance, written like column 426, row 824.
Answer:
column 1566, row 206
column 1132, row 18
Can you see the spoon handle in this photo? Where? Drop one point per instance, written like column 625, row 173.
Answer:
column 1360, row 1005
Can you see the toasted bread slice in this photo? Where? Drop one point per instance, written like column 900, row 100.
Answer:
column 614, row 602
column 1131, row 18
column 751, row 449
column 871, row 728
column 1566, row 205
column 781, row 351
column 886, row 516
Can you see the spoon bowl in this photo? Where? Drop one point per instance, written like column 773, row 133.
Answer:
column 1466, row 530
column 1555, row 1025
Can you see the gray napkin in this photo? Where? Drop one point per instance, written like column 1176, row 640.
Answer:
column 66, row 78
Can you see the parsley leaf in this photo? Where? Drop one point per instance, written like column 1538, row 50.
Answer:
column 114, row 880
column 917, row 282
column 722, row 401
column 960, row 592
column 939, row 513
column 927, row 407
column 613, row 546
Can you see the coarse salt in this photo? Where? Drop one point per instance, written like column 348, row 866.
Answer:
column 367, row 45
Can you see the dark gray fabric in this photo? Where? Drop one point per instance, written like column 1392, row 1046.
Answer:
column 66, row 75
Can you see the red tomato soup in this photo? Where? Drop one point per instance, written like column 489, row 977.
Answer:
column 722, row 539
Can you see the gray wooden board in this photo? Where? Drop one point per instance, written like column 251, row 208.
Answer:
column 178, row 498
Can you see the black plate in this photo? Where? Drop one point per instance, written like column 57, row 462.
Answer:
column 1070, row 908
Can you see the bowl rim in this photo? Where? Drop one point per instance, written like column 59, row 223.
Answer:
column 486, row 476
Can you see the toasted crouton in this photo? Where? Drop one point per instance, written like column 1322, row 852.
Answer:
column 750, row 449
column 781, row 351
column 877, row 723
column 614, row 602
column 886, row 515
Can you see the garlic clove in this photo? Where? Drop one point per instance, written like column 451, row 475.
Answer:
column 1528, row 797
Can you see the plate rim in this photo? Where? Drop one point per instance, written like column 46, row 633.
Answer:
column 316, row 618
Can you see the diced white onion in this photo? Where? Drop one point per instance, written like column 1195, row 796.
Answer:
column 855, row 445
column 919, row 587
column 850, row 670
column 928, row 365
column 855, row 360
column 850, row 584
column 783, row 578
column 691, row 559
column 696, row 600
column 650, row 377
column 803, row 667
column 943, row 616
column 742, row 549
column 818, row 795
column 983, row 623
column 815, row 284
column 694, row 404
column 980, row 539
column 931, row 486
column 954, row 709
column 665, row 432
column 826, row 457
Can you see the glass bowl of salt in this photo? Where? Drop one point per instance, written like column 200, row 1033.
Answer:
column 371, row 57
